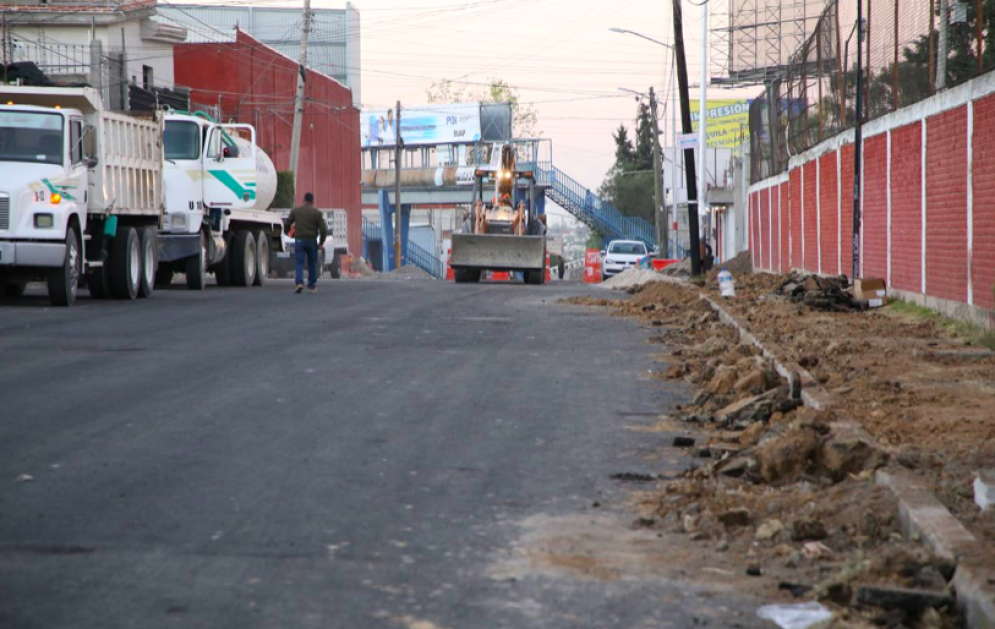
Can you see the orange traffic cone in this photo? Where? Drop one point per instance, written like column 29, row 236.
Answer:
column 449, row 269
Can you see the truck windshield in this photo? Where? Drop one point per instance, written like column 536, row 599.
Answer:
column 628, row 248
column 27, row 136
column 182, row 140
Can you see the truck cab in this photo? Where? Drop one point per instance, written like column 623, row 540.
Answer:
column 44, row 188
column 218, row 182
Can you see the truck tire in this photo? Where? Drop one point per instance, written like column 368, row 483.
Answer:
column 15, row 289
column 164, row 277
column 464, row 276
column 63, row 282
column 126, row 264
column 196, row 268
column 243, row 259
column 222, row 270
column 336, row 269
column 150, row 261
column 262, row 258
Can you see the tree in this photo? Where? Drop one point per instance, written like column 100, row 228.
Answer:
column 524, row 117
column 629, row 184
column 644, row 138
column 624, row 152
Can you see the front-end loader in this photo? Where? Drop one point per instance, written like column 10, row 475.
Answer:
column 506, row 232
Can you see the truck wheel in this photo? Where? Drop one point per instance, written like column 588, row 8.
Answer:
column 150, row 261
column 63, row 282
column 336, row 268
column 461, row 276
column 126, row 264
column 262, row 258
column 222, row 270
column 163, row 277
column 196, row 268
column 15, row 289
column 243, row 259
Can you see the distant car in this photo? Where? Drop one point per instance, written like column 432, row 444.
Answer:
column 621, row 255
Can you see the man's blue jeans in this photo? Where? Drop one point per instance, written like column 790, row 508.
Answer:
column 306, row 249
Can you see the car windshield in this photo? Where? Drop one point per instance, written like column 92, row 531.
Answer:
column 182, row 140
column 31, row 137
column 628, row 248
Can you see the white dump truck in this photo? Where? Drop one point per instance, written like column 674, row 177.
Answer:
column 219, row 184
column 81, row 194
column 120, row 201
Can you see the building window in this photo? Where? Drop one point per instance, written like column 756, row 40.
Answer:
column 147, row 81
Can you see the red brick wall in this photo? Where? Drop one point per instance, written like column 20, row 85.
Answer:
column 778, row 191
column 946, row 205
column 983, row 259
column 846, row 218
column 753, row 231
column 764, row 217
column 829, row 214
column 875, row 209
column 811, row 234
column 795, row 180
column 906, row 208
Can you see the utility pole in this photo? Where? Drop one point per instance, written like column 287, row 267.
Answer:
column 673, row 160
column 858, row 141
column 689, row 170
column 398, row 152
column 703, row 113
column 658, row 205
column 4, row 42
column 295, row 141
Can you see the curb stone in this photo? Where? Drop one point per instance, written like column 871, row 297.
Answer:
column 920, row 513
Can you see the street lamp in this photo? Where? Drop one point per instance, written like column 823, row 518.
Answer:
column 665, row 237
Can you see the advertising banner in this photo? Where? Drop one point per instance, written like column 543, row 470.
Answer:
column 421, row 126
column 728, row 122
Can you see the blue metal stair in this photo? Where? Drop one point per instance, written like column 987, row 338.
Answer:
column 599, row 215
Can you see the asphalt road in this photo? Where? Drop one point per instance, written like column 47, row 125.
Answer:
column 411, row 455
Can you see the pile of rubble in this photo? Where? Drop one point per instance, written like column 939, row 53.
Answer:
column 820, row 293
column 782, row 491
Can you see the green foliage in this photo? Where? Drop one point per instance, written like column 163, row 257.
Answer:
column 629, row 183
column 284, row 190
column 524, row 117
column 593, row 241
column 964, row 330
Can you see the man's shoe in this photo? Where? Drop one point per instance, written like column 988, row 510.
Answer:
column 299, row 289
column 313, row 290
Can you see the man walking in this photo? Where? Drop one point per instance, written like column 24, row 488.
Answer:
column 309, row 231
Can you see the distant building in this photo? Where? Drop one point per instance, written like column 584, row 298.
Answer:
column 333, row 46
column 110, row 44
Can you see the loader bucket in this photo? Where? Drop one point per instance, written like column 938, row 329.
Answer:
column 498, row 252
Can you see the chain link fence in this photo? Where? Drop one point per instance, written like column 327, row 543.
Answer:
column 902, row 64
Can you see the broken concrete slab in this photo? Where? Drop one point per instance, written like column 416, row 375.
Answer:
column 902, row 598
column 984, row 489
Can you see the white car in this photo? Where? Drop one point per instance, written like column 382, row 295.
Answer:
column 621, row 255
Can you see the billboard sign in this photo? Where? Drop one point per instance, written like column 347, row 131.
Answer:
column 421, row 126
column 728, row 122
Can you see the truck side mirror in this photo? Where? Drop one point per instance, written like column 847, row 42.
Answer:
column 91, row 163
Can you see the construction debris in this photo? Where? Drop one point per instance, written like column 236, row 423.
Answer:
column 820, row 293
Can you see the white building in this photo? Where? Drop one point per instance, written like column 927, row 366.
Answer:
column 106, row 43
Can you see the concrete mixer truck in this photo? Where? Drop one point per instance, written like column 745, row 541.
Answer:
column 88, row 197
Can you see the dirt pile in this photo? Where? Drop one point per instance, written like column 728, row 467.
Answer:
column 631, row 277
column 788, row 490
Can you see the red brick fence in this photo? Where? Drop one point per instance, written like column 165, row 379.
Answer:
column 928, row 222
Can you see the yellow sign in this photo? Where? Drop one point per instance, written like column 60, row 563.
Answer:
column 728, row 122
